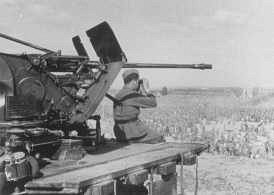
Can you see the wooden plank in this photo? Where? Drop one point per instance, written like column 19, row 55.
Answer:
column 129, row 162
column 125, row 165
column 107, row 154
column 114, row 151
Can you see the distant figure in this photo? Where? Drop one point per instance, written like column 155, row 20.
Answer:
column 133, row 96
column 164, row 91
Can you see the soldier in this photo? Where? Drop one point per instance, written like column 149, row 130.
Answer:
column 133, row 96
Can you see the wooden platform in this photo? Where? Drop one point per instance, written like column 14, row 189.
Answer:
column 107, row 163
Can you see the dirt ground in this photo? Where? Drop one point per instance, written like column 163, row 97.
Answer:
column 227, row 175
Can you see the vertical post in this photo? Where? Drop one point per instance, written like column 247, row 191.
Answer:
column 115, row 186
column 98, row 129
column 182, row 175
column 197, row 179
column 150, row 178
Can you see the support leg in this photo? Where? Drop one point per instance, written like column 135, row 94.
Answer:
column 182, row 175
column 197, row 177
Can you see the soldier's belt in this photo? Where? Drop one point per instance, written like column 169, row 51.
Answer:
column 125, row 121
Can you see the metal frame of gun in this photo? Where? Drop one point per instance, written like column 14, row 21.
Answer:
column 92, row 78
column 26, row 43
column 72, row 63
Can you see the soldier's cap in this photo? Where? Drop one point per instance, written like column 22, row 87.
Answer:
column 130, row 74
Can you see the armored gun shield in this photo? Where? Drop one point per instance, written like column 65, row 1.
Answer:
column 111, row 55
column 105, row 43
column 78, row 45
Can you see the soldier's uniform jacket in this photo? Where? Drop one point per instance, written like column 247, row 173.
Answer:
column 126, row 112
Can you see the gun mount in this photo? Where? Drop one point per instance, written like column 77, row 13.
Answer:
column 57, row 96
column 49, row 95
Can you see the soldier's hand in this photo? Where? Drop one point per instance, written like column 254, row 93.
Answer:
column 144, row 86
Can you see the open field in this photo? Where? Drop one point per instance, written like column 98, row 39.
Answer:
column 230, row 175
column 240, row 134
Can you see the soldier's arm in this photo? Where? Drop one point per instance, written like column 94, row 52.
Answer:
column 142, row 101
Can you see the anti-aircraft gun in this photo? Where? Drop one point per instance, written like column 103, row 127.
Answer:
column 49, row 95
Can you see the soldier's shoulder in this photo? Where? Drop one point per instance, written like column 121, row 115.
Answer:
column 126, row 93
column 122, row 92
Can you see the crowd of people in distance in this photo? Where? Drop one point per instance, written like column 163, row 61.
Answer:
column 228, row 125
column 228, row 128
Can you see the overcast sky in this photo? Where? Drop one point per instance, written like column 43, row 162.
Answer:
column 237, row 37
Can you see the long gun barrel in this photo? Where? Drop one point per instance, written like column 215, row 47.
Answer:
column 154, row 65
column 201, row 66
column 25, row 43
